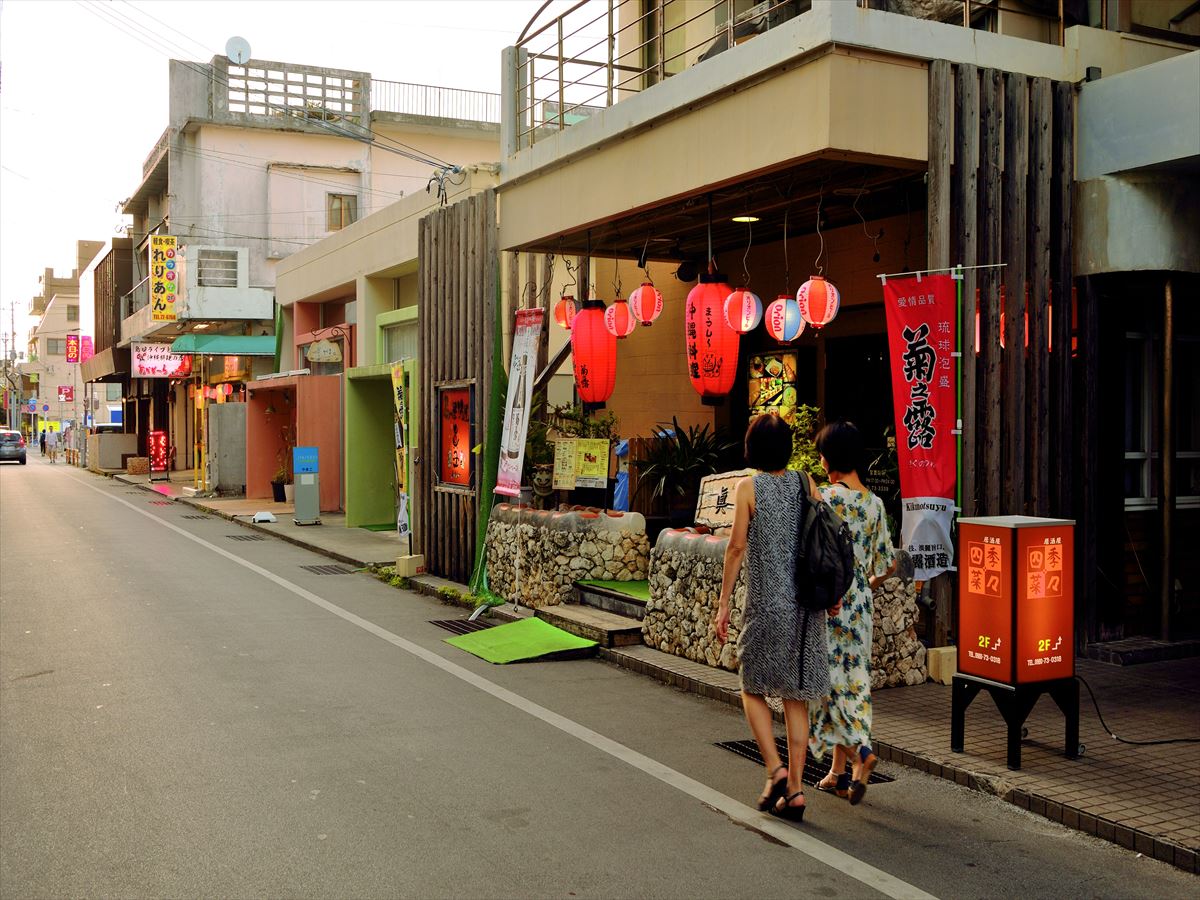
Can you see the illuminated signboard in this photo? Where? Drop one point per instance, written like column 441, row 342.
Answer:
column 455, row 408
column 1016, row 599
column 72, row 348
column 66, row 393
column 157, row 361
column 157, row 443
column 164, row 277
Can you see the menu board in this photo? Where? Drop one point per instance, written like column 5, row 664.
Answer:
column 772, row 384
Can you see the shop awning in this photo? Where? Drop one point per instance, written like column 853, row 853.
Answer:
column 107, row 365
column 225, row 344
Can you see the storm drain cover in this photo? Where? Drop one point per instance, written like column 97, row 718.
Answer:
column 461, row 626
column 161, row 502
column 813, row 771
column 196, row 517
column 328, row 570
column 235, row 537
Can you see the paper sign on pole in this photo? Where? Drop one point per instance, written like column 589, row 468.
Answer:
column 521, row 375
column 922, row 338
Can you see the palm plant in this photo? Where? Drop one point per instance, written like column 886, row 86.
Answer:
column 677, row 459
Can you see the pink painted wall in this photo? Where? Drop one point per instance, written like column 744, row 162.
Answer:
column 319, row 424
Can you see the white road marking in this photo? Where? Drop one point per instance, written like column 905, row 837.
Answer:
column 883, row 882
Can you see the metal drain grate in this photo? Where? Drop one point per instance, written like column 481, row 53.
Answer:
column 461, row 626
column 236, row 537
column 162, row 502
column 813, row 771
column 328, row 570
column 195, row 517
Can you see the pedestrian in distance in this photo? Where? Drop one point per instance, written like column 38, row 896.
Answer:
column 782, row 648
column 841, row 722
column 52, row 446
column 42, row 442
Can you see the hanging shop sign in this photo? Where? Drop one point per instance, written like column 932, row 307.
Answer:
column 456, row 433
column 772, row 384
column 66, row 393
column 157, row 361
column 564, row 465
column 400, row 429
column 324, row 351
column 72, row 345
column 521, row 376
column 712, row 345
column 87, row 348
column 164, row 277
column 923, row 343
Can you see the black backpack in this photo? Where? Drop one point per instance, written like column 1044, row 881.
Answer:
column 824, row 554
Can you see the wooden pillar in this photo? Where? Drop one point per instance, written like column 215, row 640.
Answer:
column 988, row 375
column 1016, row 166
column 941, row 98
column 965, row 230
column 1167, row 457
column 1062, row 297
column 1038, row 413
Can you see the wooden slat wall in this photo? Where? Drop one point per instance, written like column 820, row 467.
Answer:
column 457, row 276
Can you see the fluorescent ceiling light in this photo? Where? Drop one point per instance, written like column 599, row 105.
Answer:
column 746, row 218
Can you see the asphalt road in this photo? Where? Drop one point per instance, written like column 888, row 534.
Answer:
column 183, row 714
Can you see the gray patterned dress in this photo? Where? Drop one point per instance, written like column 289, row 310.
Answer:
column 783, row 650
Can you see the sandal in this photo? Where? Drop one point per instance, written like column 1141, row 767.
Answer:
column 839, row 786
column 858, row 787
column 767, row 801
column 785, row 810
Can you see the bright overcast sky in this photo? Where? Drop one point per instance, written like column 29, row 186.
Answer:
column 84, row 93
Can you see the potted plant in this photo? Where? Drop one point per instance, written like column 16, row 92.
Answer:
column 282, row 488
column 675, row 462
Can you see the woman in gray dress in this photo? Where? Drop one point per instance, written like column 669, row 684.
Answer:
column 782, row 648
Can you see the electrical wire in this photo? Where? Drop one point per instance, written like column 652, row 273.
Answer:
column 1122, row 740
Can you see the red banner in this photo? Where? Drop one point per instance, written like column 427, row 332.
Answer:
column 923, row 343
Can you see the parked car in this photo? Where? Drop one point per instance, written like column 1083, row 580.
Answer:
column 12, row 446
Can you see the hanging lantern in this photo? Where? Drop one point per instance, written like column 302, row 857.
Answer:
column 819, row 302
column 743, row 310
column 646, row 303
column 564, row 311
column 712, row 346
column 228, row 388
column 619, row 320
column 784, row 322
column 594, row 354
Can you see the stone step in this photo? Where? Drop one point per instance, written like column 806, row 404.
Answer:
column 605, row 628
column 610, row 601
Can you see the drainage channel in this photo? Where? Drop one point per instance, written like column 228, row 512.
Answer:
column 461, row 626
column 326, row 570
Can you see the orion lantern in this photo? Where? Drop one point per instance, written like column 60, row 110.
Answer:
column 619, row 320
column 646, row 303
column 819, row 301
column 593, row 354
column 564, row 311
column 784, row 322
column 743, row 310
column 712, row 346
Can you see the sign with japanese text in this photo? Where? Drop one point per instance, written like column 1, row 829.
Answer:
column 521, row 375
column 454, row 405
column 715, row 506
column 1045, row 602
column 72, row 345
column 66, row 393
column 564, row 465
column 87, row 348
column 400, row 435
column 923, row 344
column 157, row 361
column 164, row 277
column 156, row 444
column 985, row 623
column 591, row 462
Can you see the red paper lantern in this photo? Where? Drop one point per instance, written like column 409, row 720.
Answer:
column 228, row 389
column 646, row 303
column 819, row 302
column 743, row 310
column 564, row 312
column 784, row 322
column 619, row 320
column 593, row 354
column 712, row 346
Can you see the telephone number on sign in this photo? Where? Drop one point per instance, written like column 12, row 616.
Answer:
column 983, row 657
column 1043, row 661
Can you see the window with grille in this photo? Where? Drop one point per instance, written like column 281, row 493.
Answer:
column 340, row 210
column 400, row 341
column 72, row 313
column 216, row 268
column 56, row 347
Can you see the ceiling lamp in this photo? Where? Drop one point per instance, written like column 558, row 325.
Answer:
column 784, row 322
column 619, row 320
column 743, row 310
column 819, row 301
column 564, row 311
column 646, row 303
column 593, row 355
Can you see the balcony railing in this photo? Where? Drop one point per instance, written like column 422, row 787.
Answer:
column 434, row 102
column 157, row 152
column 135, row 299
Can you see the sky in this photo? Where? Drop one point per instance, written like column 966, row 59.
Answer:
column 83, row 93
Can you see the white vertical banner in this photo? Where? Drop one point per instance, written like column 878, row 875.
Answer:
column 521, row 375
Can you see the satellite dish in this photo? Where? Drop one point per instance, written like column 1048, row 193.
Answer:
column 237, row 49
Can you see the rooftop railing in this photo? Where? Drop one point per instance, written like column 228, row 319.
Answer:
column 434, row 102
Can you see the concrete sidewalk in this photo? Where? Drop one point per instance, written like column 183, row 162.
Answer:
column 1141, row 797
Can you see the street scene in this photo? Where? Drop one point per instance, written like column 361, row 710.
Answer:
column 618, row 448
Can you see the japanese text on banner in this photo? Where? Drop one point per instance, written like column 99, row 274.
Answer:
column 521, row 375
column 164, row 277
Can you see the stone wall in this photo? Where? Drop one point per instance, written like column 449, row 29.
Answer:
column 534, row 556
column 686, row 568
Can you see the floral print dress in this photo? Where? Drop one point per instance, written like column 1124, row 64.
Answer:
column 844, row 717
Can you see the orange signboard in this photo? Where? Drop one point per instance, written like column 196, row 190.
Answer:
column 1016, row 598
column 455, row 412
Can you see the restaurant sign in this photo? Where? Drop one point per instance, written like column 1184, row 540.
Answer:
column 157, row 361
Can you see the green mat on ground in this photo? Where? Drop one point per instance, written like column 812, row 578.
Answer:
column 386, row 526
column 637, row 589
column 520, row 640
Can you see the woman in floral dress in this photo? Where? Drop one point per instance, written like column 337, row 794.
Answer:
column 841, row 724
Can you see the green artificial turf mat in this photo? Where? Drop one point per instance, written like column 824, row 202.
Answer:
column 639, row 590
column 521, row 640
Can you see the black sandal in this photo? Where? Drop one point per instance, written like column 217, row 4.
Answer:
column 858, row 787
column 789, row 812
column 767, row 801
column 841, row 787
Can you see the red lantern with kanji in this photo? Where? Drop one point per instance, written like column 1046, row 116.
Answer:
column 743, row 310
column 646, row 303
column 594, row 354
column 712, row 346
column 819, row 301
column 619, row 320
column 564, row 312
column 784, row 322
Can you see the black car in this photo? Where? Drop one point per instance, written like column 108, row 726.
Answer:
column 12, row 446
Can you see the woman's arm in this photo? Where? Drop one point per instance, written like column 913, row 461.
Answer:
column 735, row 552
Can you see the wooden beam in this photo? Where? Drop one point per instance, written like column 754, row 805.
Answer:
column 988, row 375
column 1063, row 296
column 1087, row 557
column 941, row 99
column 1015, row 205
column 966, row 205
column 1039, row 415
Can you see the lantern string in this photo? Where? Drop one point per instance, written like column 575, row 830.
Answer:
column 545, row 292
column 570, row 272
column 645, row 263
column 787, row 267
column 746, row 255
column 711, row 261
column 820, row 253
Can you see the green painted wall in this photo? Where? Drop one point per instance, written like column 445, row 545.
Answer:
column 370, row 452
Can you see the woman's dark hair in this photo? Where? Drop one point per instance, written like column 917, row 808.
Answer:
column 842, row 446
column 768, row 443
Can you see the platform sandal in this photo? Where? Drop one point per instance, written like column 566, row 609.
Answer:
column 785, row 810
column 858, row 787
column 767, row 801
column 839, row 786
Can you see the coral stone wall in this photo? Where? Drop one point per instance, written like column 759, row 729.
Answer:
column 685, row 586
column 534, row 557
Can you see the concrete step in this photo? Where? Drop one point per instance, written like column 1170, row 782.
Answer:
column 605, row 628
column 610, row 601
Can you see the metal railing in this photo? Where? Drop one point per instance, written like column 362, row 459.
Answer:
column 434, row 102
column 135, row 299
